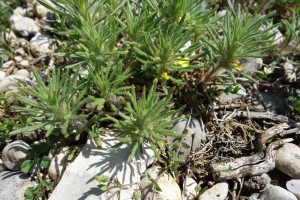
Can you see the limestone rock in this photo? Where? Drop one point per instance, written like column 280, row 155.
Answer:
column 41, row 45
column 25, row 63
column 12, row 80
column 294, row 187
column 2, row 75
column 274, row 193
column 217, row 192
column 23, row 72
column 2, row 166
column 228, row 97
column 112, row 164
column 14, row 154
column 192, row 138
column 58, row 164
column 288, row 160
column 13, row 185
column 170, row 189
column 24, row 25
column 8, row 64
column 289, row 72
column 190, row 189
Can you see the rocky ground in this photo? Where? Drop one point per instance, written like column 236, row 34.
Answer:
column 249, row 149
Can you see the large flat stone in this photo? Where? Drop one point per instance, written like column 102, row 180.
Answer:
column 78, row 180
column 13, row 185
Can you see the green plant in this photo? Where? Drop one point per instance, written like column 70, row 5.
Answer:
column 109, row 80
column 37, row 164
column 157, row 30
column 242, row 36
column 56, row 105
column 292, row 28
column 146, row 120
column 90, row 27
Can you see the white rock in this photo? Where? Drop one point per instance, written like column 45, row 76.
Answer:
column 11, row 80
column 112, row 164
column 2, row 75
column 289, row 72
column 227, row 98
column 25, row 63
column 58, row 163
column 9, row 36
column 266, row 178
column 30, row 2
column 2, row 166
column 190, row 189
column 259, row 61
column 23, row 72
column 276, row 193
column 41, row 10
column 20, row 51
column 24, row 25
column 14, row 154
column 170, row 189
column 13, row 185
column 294, row 187
column 186, row 46
column 288, row 160
column 278, row 38
column 41, row 45
column 19, row 11
column 217, row 192
column 221, row 13
column 193, row 138
column 8, row 64
column 18, row 59
column 250, row 65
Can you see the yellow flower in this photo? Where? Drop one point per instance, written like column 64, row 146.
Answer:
column 237, row 66
column 165, row 75
column 183, row 62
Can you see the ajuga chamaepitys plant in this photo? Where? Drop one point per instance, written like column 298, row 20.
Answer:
column 145, row 120
column 240, row 36
column 56, row 104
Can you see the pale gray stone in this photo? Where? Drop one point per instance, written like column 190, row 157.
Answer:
column 221, row 13
column 19, row 11
column 251, row 65
column 294, row 187
column 24, row 25
column 8, row 64
column 287, row 160
column 14, row 154
column 192, row 138
column 229, row 97
column 23, row 72
column 58, row 163
column 274, row 102
column 20, row 51
column 189, row 192
column 11, row 81
column 18, row 59
column 2, row 75
column 289, row 72
column 25, row 63
column 13, row 185
column 275, row 193
column 41, row 45
column 78, row 179
column 41, row 11
column 2, row 166
column 217, row 192
column 170, row 189
column 10, row 36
